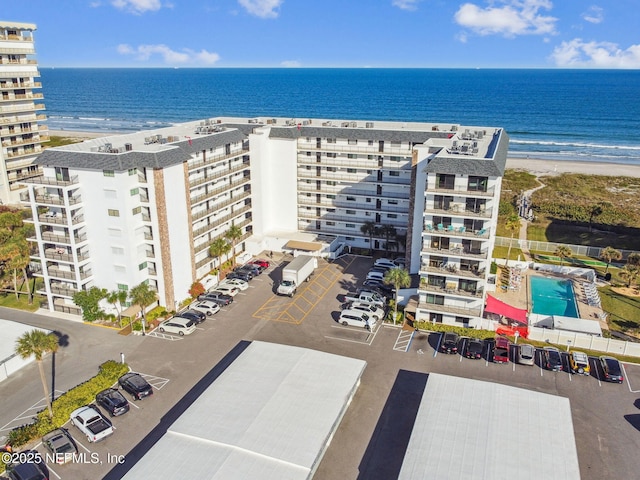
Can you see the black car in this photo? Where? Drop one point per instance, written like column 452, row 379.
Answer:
column 378, row 286
column 33, row 467
column 135, row 385
column 245, row 275
column 473, row 348
column 195, row 315
column 612, row 369
column 254, row 269
column 113, row 402
column 450, row 343
column 552, row 359
column 220, row 298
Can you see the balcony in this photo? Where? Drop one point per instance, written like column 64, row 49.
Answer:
column 459, row 311
column 461, row 191
column 213, row 209
column 216, row 175
column 60, row 289
column 456, row 252
column 326, row 216
column 482, row 234
column 312, row 201
column 357, row 177
column 347, row 189
column 216, row 191
column 59, row 254
column 220, row 220
column 42, row 180
column 65, row 239
column 374, row 149
column 218, row 158
column 68, row 274
column 59, row 219
column 444, row 290
column 19, row 85
column 459, row 210
column 444, row 271
column 208, row 259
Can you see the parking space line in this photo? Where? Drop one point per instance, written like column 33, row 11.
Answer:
column 51, row 470
column 435, row 354
column 624, row 371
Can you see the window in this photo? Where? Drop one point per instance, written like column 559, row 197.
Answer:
column 113, row 213
column 134, row 191
column 394, row 173
column 370, row 143
column 395, row 144
column 122, row 286
column 117, row 250
column 331, row 183
column 393, row 202
column 332, row 169
column 331, row 196
column 108, row 173
column 353, row 142
column 331, row 140
column 370, row 157
column 351, row 199
column 330, row 224
column 352, row 155
column 349, row 238
column 351, row 212
column 350, row 225
column 136, row 211
column 392, row 215
column 351, row 170
column 368, row 200
column 142, row 266
column 133, row 171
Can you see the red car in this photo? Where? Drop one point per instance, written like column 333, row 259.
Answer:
column 261, row 263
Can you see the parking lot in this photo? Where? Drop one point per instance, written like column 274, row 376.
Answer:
column 606, row 416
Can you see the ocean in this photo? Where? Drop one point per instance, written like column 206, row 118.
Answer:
column 584, row 115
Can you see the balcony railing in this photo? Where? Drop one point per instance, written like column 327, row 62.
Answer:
column 434, row 307
column 220, row 220
column 443, row 271
column 216, row 175
column 353, row 177
column 42, row 180
column 199, row 248
column 479, row 234
column 459, row 211
column 441, row 289
column 347, row 189
column 326, row 216
column 208, row 259
column 68, row 274
column 364, row 149
column 218, row 206
column 456, row 252
column 60, row 219
column 461, row 191
column 14, row 85
column 216, row 191
column 217, row 158
column 60, row 290
column 312, row 201
column 66, row 239
column 54, row 254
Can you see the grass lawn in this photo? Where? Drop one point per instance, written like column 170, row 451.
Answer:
column 501, row 252
column 624, row 312
column 548, row 231
column 9, row 300
column 57, row 141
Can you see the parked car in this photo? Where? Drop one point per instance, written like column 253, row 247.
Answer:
column 384, row 262
column 579, row 363
column 473, row 348
column 400, row 262
column 92, row 423
column 195, row 315
column 449, row 342
column 261, row 262
column 357, row 318
column 368, row 308
column 227, row 289
column 236, row 282
column 134, row 384
column 501, row 350
column 526, row 354
column 240, row 274
column 220, row 298
column 60, row 445
column 375, row 275
column 33, row 467
column 379, row 286
column 611, row 369
column 551, row 359
column 205, row 306
column 255, row 270
column 113, row 402
column 179, row 325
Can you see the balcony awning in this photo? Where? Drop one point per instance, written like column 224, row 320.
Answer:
column 499, row 307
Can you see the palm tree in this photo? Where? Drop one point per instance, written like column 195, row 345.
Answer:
column 218, row 248
column 399, row 278
column 608, row 254
column 233, row 234
column 388, row 231
column 563, row 252
column 38, row 343
column 630, row 273
column 142, row 296
column 512, row 225
column 14, row 250
column 634, row 259
column 117, row 298
column 369, row 228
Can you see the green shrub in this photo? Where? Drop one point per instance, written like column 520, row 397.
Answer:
column 462, row 331
column 78, row 396
column 157, row 312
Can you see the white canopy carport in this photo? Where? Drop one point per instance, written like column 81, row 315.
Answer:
column 270, row 415
column 473, row 429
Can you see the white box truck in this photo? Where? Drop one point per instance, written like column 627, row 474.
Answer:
column 296, row 272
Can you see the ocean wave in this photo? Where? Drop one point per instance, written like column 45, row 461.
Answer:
column 573, row 144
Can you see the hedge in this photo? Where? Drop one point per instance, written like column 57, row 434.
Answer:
column 462, row 331
column 78, row 396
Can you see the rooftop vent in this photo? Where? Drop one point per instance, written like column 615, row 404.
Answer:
column 369, row 125
column 128, row 147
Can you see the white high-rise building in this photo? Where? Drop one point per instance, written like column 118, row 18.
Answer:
column 21, row 130
column 116, row 211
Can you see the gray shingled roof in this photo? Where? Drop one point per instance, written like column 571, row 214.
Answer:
column 352, row 133
column 170, row 154
column 492, row 166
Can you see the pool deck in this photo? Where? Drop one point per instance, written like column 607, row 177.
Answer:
column 521, row 298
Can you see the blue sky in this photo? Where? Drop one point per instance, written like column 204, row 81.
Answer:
column 333, row 33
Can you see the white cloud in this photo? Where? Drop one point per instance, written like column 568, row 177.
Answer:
column 594, row 14
column 169, row 56
column 290, row 64
column 508, row 18
column 406, row 4
column 262, row 8
column 577, row 53
column 137, row 6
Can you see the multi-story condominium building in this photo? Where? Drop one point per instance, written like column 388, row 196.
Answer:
column 21, row 130
column 116, row 211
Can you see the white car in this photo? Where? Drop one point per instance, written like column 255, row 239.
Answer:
column 206, row 307
column 227, row 289
column 181, row 326
column 375, row 275
column 357, row 318
column 236, row 282
column 373, row 310
column 385, row 262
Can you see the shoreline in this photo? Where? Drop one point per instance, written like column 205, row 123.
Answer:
column 535, row 166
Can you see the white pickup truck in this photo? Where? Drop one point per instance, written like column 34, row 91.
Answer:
column 372, row 298
column 92, row 423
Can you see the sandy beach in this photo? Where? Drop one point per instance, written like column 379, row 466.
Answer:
column 535, row 166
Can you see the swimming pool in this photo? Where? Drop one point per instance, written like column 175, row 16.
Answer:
column 551, row 296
